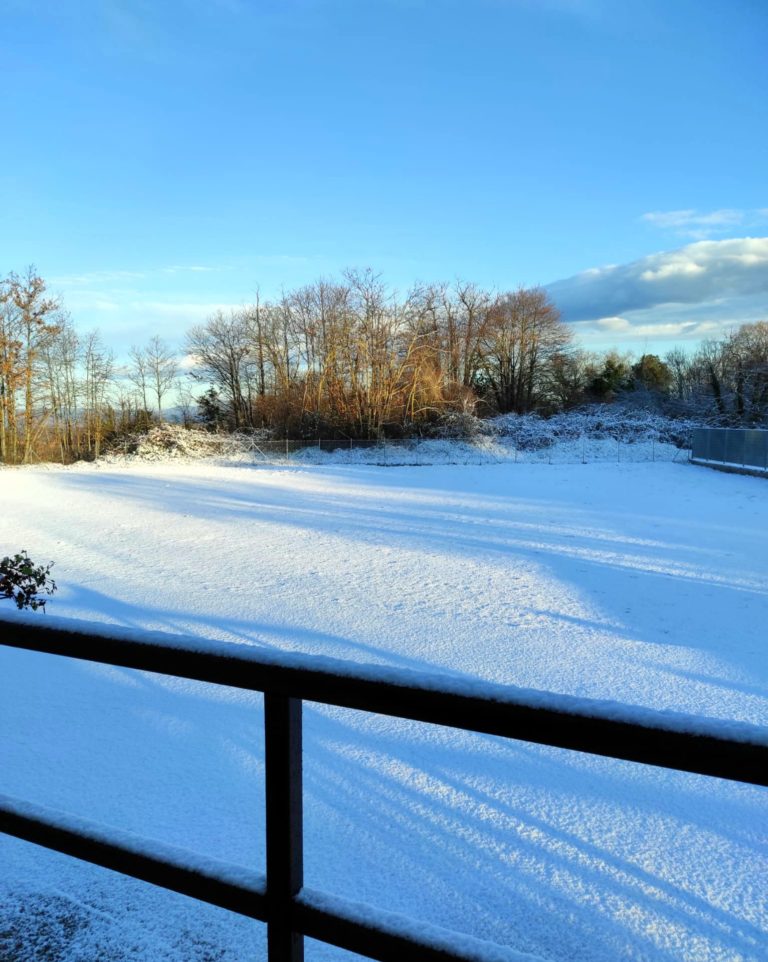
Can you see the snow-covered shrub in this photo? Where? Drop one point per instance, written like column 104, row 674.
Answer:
column 171, row 441
column 530, row 432
column 587, row 434
column 459, row 424
column 24, row 581
column 410, row 451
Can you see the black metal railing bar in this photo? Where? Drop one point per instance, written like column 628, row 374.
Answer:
column 704, row 746
column 385, row 936
column 659, row 738
column 205, row 879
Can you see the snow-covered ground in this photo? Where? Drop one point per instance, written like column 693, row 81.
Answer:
column 644, row 583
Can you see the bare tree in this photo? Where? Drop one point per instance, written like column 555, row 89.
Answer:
column 10, row 370
column 221, row 349
column 98, row 374
column 138, row 374
column 59, row 373
column 523, row 333
column 162, row 369
column 679, row 365
column 746, row 354
column 29, row 320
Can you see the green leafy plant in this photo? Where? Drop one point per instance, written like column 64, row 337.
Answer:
column 24, row 581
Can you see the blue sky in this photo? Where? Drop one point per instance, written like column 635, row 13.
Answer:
column 161, row 160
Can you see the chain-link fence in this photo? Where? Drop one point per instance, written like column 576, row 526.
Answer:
column 424, row 451
column 172, row 442
column 732, row 447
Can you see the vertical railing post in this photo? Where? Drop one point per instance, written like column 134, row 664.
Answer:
column 285, row 855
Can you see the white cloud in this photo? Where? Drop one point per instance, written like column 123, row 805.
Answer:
column 707, row 272
column 613, row 324
column 187, row 362
column 99, row 278
column 689, row 218
column 94, row 278
column 675, row 268
column 700, row 225
column 672, row 329
column 640, row 330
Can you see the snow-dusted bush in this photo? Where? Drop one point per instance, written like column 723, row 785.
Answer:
column 587, row 434
column 170, row 441
column 411, row 451
column 459, row 424
column 530, row 432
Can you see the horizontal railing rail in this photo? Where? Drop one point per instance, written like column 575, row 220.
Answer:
column 728, row 750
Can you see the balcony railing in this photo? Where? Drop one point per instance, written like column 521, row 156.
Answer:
column 291, row 911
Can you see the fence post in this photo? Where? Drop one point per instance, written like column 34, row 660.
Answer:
column 285, row 849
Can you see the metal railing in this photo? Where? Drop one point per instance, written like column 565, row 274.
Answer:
column 735, row 447
column 280, row 899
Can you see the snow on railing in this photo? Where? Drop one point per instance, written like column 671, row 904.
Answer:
column 724, row 749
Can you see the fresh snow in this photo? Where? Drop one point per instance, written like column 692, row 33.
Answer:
column 643, row 585
column 443, row 939
column 134, row 845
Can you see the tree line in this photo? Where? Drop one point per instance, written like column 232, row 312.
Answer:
column 344, row 358
column 351, row 358
column 62, row 395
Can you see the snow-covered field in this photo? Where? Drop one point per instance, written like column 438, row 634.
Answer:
column 644, row 583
